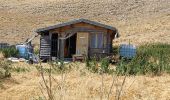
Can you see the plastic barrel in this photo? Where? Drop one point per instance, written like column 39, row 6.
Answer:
column 23, row 51
column 127, row 51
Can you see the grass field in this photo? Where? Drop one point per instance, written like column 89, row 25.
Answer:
column 81, row 84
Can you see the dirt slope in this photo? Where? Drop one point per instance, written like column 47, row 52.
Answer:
column 137, row 20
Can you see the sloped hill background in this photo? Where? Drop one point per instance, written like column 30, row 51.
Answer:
column 138, row 21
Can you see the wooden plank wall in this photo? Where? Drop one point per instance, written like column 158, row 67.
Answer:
column 45, row 47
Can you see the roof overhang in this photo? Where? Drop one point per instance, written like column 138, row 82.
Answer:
column 41, row 30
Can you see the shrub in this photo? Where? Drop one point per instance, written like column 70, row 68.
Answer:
column 105, row 65
column 9, row 52
column 5, row 69
column 115, row 50
column 92, row 65
column 151, row 58
column 95, row 66
column 121, row 67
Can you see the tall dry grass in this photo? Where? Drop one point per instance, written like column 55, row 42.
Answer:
column 51, row 92
column 82, row 84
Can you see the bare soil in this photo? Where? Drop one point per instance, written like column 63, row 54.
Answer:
column 138, row 21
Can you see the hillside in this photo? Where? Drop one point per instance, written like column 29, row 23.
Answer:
column 137, row 20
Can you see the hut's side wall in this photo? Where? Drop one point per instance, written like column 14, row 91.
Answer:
column 45, row 46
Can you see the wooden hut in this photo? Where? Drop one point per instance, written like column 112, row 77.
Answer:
column 76, row 37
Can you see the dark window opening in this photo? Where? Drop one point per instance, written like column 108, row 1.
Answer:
column 54, row 45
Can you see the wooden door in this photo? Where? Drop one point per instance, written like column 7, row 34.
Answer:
column 82, row 43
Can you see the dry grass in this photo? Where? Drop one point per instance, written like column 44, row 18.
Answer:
column 81, row 84
column 1, row 56
column 138, row 21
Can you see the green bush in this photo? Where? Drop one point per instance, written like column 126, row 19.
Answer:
column 95, row 66
column 121, row 67
column 105, row 65
column 9, row 52
column 115, row 50
column 56, row 67
column 151, row 59
column 92, row 65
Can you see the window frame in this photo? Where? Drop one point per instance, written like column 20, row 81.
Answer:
column 96, row 45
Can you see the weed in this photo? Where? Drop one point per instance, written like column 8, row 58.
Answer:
column 20, row 69
column 92, row 65
column 46, row 86
column 105, row 65
column 36, row 51
column 5, row 69
column 115, row 50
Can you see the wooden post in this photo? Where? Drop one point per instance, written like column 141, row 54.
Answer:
column 62, row 49
column 58, row 48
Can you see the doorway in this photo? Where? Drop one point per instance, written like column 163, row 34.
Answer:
column 54, row 45
column 70, row 46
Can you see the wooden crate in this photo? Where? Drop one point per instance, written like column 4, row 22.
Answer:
column 78, row 58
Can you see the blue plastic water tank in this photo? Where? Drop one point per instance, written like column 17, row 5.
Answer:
column 24, row 50
column 127, row 51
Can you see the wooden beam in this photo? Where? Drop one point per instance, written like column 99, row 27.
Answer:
column 62, row 42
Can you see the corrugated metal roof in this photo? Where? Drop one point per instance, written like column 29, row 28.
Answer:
column 74, row 22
